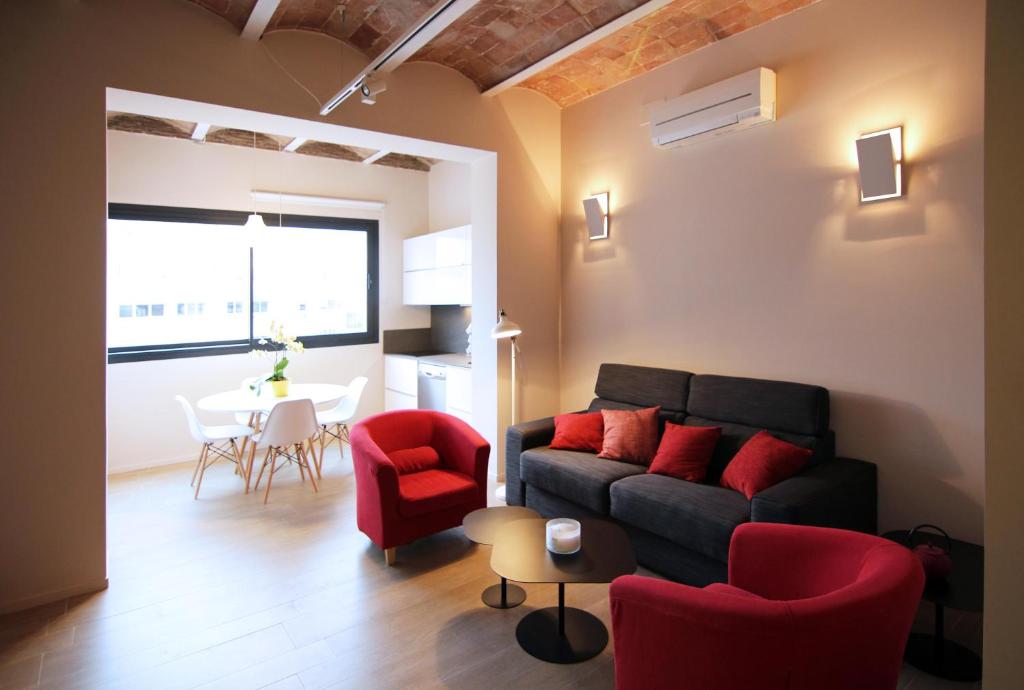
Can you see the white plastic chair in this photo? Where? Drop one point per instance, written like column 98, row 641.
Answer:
column 338, row 418
column 220, row 440
column 289, row 425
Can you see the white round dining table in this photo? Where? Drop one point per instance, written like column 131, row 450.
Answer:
column 240, row 400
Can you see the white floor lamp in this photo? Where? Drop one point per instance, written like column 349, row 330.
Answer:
column 506, row 328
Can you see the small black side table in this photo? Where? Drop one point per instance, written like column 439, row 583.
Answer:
column 962, row 590
column 481, row 526
column 562, row 634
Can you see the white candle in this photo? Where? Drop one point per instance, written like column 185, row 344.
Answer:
column 563, row 535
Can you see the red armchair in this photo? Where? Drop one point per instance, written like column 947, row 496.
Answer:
column 418, row 472
column 806, row 608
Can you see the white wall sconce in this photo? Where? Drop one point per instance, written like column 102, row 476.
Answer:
column 880, row 160
column 595, row 207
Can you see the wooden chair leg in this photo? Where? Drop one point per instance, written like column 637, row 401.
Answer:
column 323, row 438
column 248, row 469
column 298, row 461
column 235, row 451
column 195, row 472
column 343, row 433
column 266, row 459
column 270, row 477
column 389, row 556
column 304, row 460
column 202, row 468
column 317, row 461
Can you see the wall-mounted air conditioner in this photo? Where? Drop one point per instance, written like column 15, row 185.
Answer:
column 737, row 103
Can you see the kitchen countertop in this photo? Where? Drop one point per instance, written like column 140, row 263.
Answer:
column 444, row 359
column 448, row 360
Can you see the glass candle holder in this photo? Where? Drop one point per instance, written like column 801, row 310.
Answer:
column 563, row 536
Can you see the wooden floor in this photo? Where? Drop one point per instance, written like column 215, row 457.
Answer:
column 225, row 592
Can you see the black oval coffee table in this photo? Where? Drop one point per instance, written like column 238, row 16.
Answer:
column 561, row 634
column 481, row 526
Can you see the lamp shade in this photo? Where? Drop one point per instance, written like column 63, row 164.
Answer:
column 254, row 229
column 505, row 328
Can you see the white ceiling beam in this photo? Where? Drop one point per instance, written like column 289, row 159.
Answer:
column 294, row 144
column 200, row 131
column 309, row 200
column 579, row 44
column 286, row 127
column 259, row 18
column 440, row 17
column 375, row 157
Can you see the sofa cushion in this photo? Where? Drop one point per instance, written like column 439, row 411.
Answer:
column 644, row 386
column 734, row 436
column 699, row 517
column 425, row 492
column 685, row 451
column 630, row 436
column 579, row 431
column 794, row 408
column 409, row 460
column 582, row 478
column 762, row 462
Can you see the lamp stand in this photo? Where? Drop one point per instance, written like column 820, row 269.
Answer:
column 513, row 380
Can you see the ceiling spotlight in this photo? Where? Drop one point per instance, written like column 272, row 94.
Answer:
column 370, row 88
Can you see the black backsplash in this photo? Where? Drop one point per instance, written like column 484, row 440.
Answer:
column 448, row 328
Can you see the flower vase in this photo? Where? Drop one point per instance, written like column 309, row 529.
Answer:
column 280, row 387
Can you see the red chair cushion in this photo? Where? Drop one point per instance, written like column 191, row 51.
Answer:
column 576, row 431
column 685, row 451
column 763, row 461
column 630, row 436
column 433, row 490
column 418, row 459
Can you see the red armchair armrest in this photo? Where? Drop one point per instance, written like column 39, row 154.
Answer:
column 462, row 448
column 376, row 485
column 671, row 636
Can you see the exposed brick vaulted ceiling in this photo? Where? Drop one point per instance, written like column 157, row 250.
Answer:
column 496, row 39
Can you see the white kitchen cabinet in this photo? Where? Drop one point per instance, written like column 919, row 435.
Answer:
column 393, row 400
column 438, row 268
column 400, row 382
column 459, row 395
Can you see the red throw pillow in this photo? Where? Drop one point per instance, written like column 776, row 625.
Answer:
column 763, row 461
column 579, row 431
column 685, row 451
column 630, row 436
column 419, row 459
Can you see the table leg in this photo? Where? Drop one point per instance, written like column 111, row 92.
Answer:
column 940, row 657
column 562, row 634
column 561, row 609
column 504, row 595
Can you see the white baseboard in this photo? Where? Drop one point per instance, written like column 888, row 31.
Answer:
column 149, row 464
column 50, row 597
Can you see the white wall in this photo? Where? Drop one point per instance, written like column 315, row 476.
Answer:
column 145, row 426
column 450, row 195
column 750, row 254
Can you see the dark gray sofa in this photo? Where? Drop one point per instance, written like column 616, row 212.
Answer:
column 682, row 529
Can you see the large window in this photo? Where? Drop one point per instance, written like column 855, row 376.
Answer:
column 184, row 282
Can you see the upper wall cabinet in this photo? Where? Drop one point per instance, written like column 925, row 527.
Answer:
column 438, row 268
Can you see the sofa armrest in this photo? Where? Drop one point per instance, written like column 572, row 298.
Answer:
column 841, row 492
column 518, row 438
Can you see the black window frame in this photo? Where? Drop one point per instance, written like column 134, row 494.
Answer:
column 176, row 214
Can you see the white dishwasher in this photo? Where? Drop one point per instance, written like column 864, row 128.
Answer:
column 431, row 385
